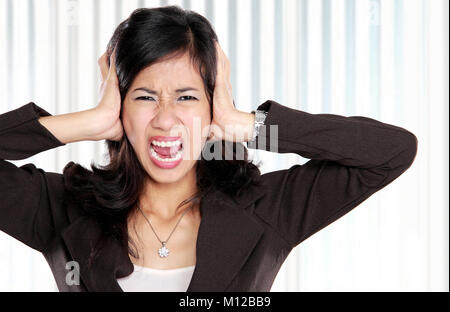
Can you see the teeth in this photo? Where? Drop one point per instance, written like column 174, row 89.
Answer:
column 167, row 144
column 175, row 158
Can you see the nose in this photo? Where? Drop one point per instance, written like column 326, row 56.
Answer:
column 165, row 119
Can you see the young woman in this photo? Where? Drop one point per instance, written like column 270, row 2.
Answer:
column 163, row 215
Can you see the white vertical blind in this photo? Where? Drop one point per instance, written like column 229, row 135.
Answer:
column 384, row 59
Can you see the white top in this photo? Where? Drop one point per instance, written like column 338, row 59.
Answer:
column 148, row 279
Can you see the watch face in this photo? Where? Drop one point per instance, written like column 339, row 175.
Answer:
column 260, row 116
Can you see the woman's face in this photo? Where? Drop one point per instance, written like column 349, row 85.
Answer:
column 167, row 102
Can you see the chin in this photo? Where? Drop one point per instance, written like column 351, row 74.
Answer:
column 164, row 179
column 163, row 176
column 166, row 176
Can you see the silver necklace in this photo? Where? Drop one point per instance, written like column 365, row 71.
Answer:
column 163, row 251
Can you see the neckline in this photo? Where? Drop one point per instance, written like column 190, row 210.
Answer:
column 187, row 268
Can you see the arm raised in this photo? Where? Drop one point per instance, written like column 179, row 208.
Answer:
column 351, row 158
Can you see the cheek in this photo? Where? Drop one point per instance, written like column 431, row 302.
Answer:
column 205, row 115
column 134, row 126
column 198, row 126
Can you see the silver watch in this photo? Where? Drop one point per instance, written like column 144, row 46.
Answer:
column 260, row 117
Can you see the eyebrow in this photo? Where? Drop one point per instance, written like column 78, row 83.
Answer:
column 154, row 92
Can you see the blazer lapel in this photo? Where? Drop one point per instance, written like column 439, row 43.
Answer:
column 227, row 235
column 111, row 262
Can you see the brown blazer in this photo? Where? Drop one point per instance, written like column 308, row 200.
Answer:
column 242, row 241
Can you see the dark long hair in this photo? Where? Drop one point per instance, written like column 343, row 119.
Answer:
column 110, row 193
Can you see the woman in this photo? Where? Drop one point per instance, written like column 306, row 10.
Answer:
column 163, row 214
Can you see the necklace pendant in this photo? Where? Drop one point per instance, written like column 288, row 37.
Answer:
column 163, row 251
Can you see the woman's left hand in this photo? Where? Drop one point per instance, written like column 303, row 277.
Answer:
column 228, row 123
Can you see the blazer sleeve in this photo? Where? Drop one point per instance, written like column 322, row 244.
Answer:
column 28, row 196
column 351, row 158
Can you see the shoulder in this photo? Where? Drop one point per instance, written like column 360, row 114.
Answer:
column 75, row 184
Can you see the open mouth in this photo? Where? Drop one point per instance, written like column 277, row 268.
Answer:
column 166, row 151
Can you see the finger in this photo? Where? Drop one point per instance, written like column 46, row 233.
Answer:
column 226, row 65
column 219, row 63
column 221, row 72
column 103, row 66
column 112, row 74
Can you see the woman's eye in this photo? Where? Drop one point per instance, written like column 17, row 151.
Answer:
column 188, row 97
column 182, row 98
column 145, row 98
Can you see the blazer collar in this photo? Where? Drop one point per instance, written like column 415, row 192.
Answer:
column 226, row 237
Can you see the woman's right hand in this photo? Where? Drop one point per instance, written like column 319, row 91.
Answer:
column 107, row 112
column 99, row 123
